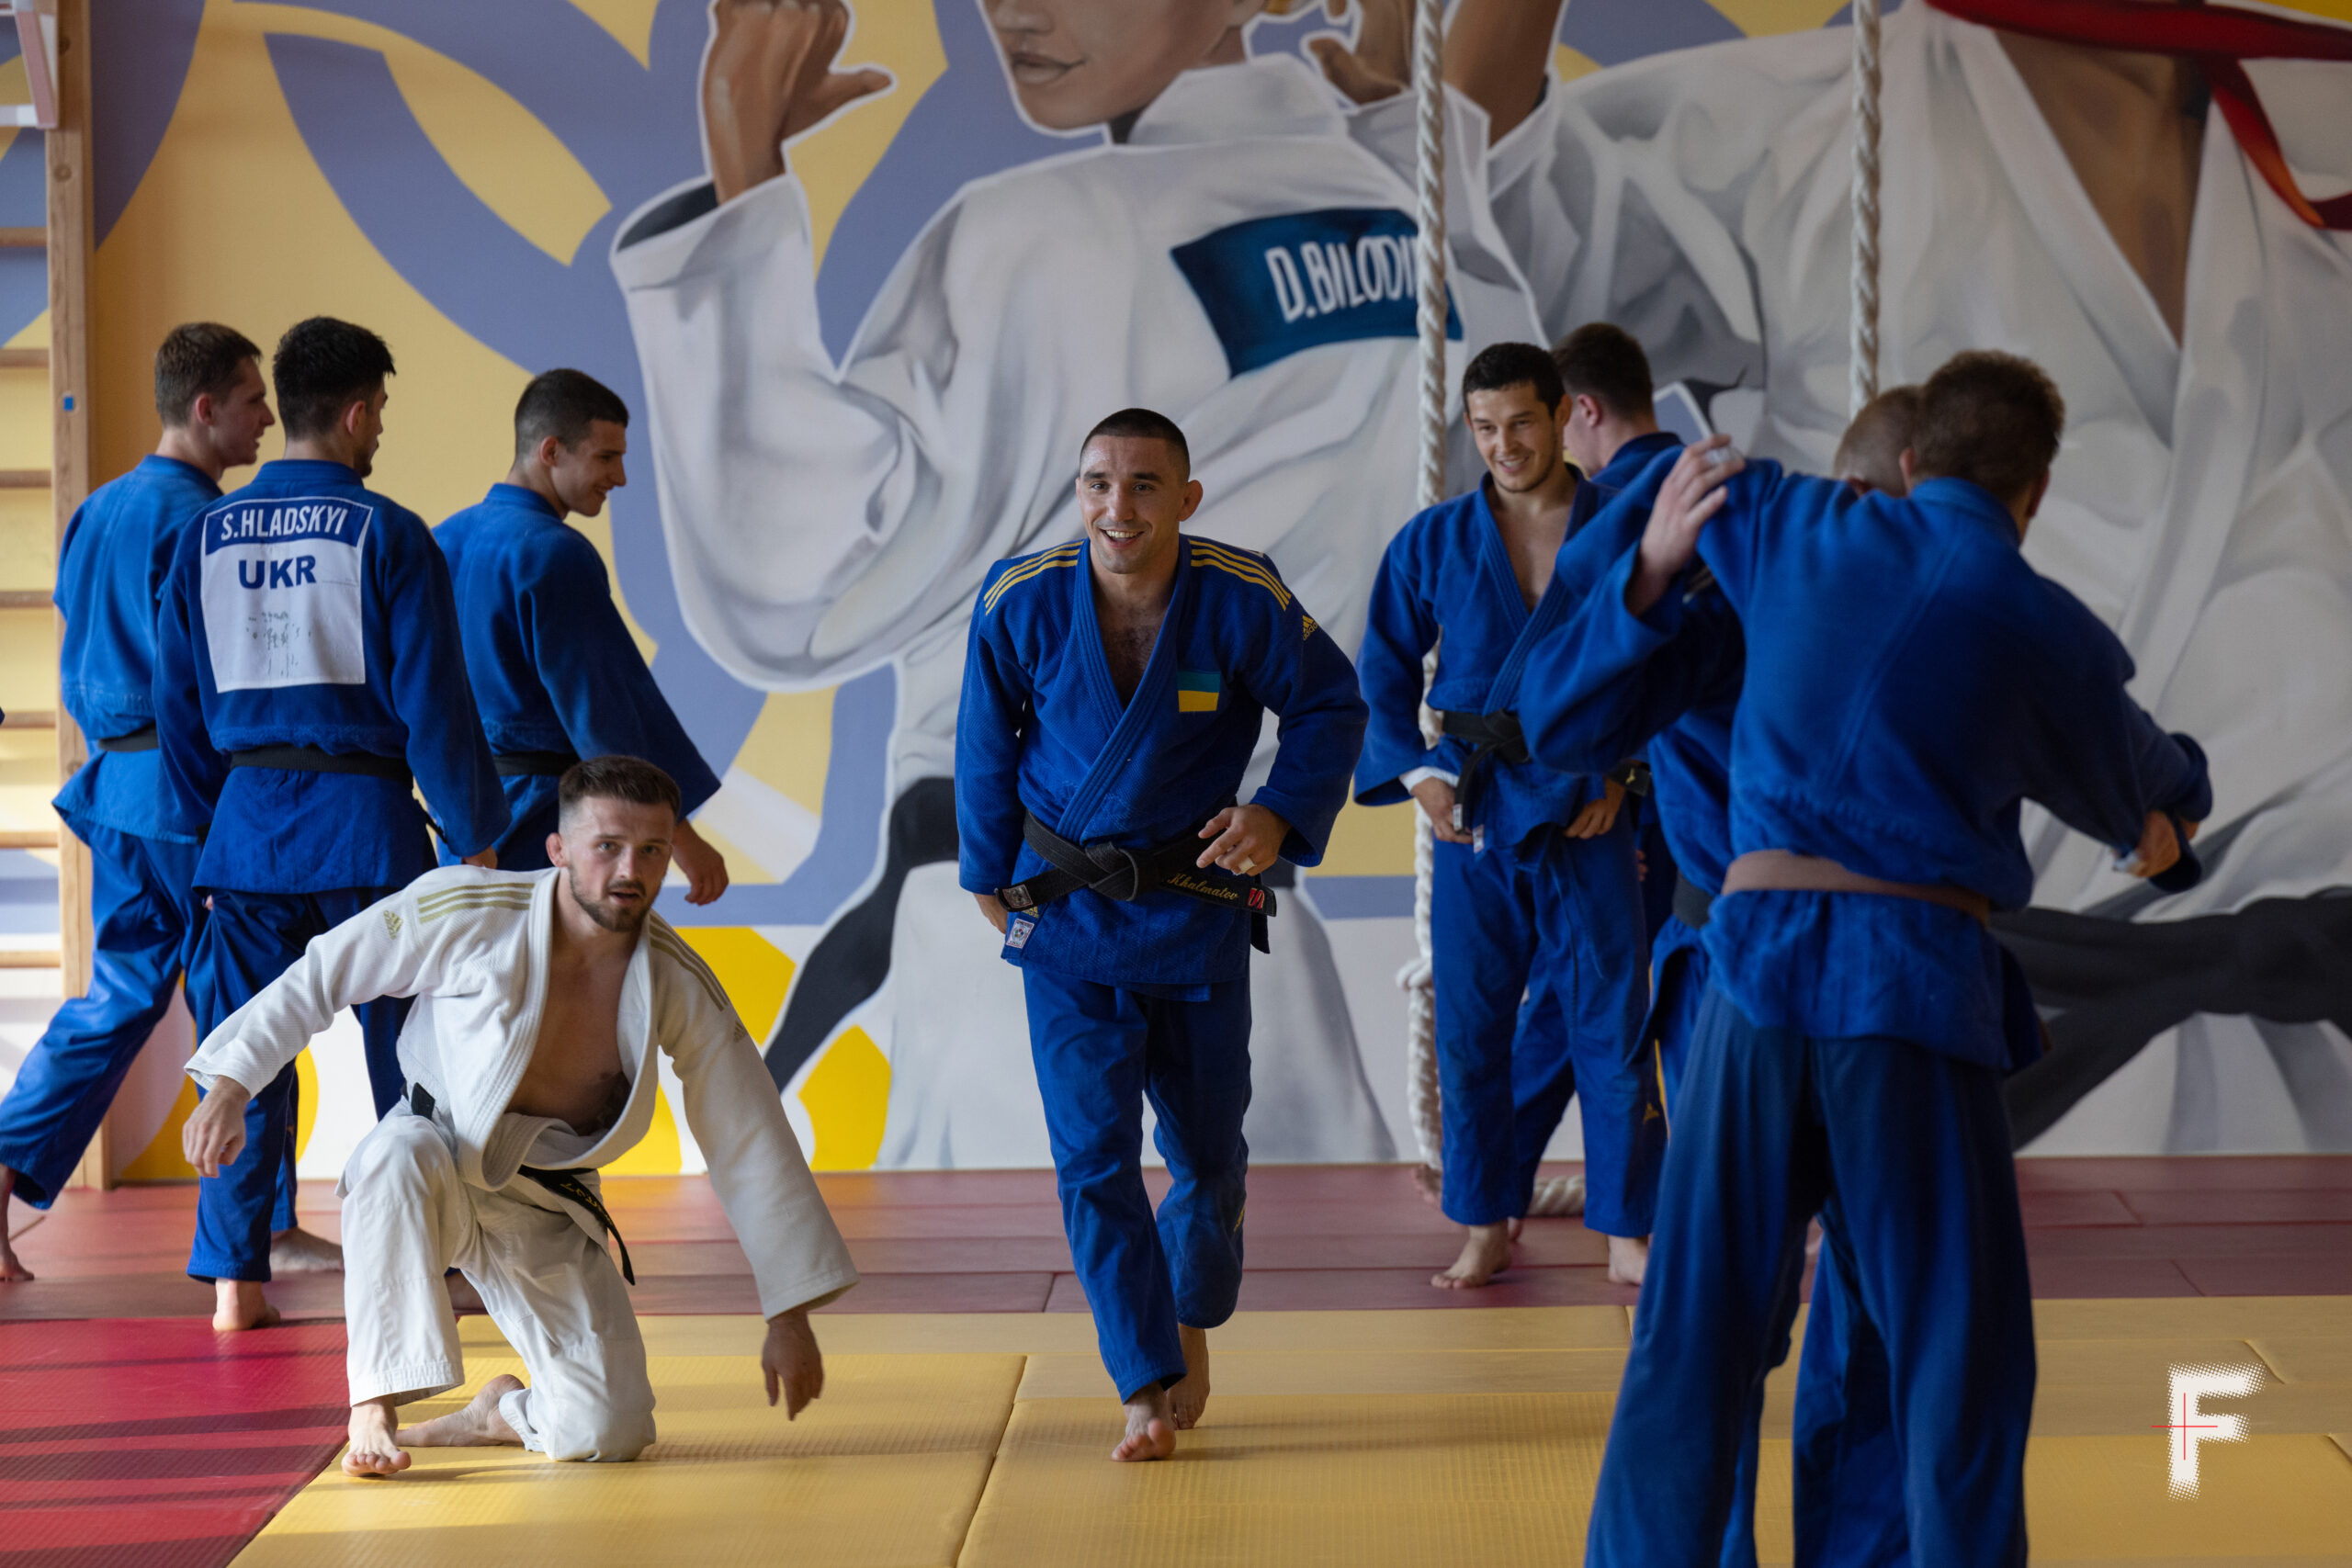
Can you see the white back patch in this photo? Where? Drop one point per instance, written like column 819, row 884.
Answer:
column 281, row 592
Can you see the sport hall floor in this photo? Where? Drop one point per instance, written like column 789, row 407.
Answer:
column 1359, row 1416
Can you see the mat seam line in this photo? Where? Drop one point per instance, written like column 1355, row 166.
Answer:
column 996, row 1451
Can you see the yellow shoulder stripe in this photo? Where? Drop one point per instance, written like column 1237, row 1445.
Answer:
column 1250, row 569
column 674, row 947
column 480, row 901
column 1060, row 555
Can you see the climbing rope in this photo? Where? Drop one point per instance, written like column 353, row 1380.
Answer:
column 1429, row 89
column 1863, row 377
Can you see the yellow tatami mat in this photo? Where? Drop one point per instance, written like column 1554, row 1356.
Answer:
column 1364, row 1439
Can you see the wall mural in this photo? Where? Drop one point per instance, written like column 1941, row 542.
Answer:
column 862, row 378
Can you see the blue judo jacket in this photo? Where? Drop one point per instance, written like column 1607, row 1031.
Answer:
column 1446, row 581
column 307, row 610
column 111, row 571
column 1041, row 729
column 1910, row 683
column 552, row 663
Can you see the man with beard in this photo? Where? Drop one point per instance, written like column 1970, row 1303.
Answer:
column 541, row 1001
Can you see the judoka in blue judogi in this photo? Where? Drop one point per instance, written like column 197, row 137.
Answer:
column 209, row 394
column 1601, row 686
column 1849, row 1055
column 1114, row 690
column 1537, row 907
column 309, row 675
column 553, row 668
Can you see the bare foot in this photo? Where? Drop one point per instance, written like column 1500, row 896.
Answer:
column 1485, row 1252
column 373, row 1450
column 1629, row 1258
column 1514, row 1226
column 1149, row 1433
column 238, row 1304
column 11, row 1269
column 478, row 1425
column 1431, row 1184
column 1190, row 1394
column 297, row 1251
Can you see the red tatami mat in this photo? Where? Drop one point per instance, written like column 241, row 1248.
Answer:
column 147, row 1443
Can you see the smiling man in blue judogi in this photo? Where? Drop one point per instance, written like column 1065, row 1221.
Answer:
column 1115, row 690
column 1536, row 905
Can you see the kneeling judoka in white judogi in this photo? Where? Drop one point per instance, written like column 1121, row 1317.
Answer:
column 540, row 999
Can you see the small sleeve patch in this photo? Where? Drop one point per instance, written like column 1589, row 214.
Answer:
column 391, row 923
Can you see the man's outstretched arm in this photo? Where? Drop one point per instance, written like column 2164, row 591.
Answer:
column 382, row 951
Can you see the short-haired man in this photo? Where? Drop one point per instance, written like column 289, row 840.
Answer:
column 309, row 679
column 1114, row 691
column 1611, row 432
column 210, row 396
column 554, row 670
column 541, row 999
column 1850, row 1059
column 1606, row 684
column 1536, row 905
column 1610, row 426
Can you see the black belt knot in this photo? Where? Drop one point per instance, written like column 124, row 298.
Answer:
column 565, row 1184
column 1124, row 875
column 1494, row 737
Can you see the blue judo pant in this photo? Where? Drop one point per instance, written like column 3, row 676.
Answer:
column 1844, row 1449
column 140, row 909
column 249, row 940
column 1540, row 962
column 1905, row 1154
column 1101, row 1052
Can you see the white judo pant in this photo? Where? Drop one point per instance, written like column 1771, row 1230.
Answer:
column 552, row 1290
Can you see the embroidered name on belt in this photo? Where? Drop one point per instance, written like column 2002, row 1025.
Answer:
column 1196, row 691
column 1274, row 286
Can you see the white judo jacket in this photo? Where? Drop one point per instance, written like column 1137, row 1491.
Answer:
column 471, row 947
column 2202, row 503
column 1241, row 263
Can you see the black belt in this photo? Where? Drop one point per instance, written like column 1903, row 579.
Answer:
column 314, row 759
column 565, row 1184
column 1124, row 875
column 1493, row 737
column 137, row 740
column 1693, row 903
column 533, row 764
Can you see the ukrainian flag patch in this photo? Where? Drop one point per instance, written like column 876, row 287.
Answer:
column 1196, row 691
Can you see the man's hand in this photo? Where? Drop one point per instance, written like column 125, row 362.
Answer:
column 767, row 76
column 792, row 1362
column 1381, row 63
column 705, row 867
column 993, row 909
column 1249, row 840
column 215, row 1131
column 1598, row 815
column 2159, row 846
column 487, row 860
column 1436, row 797
column 1692, row 493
